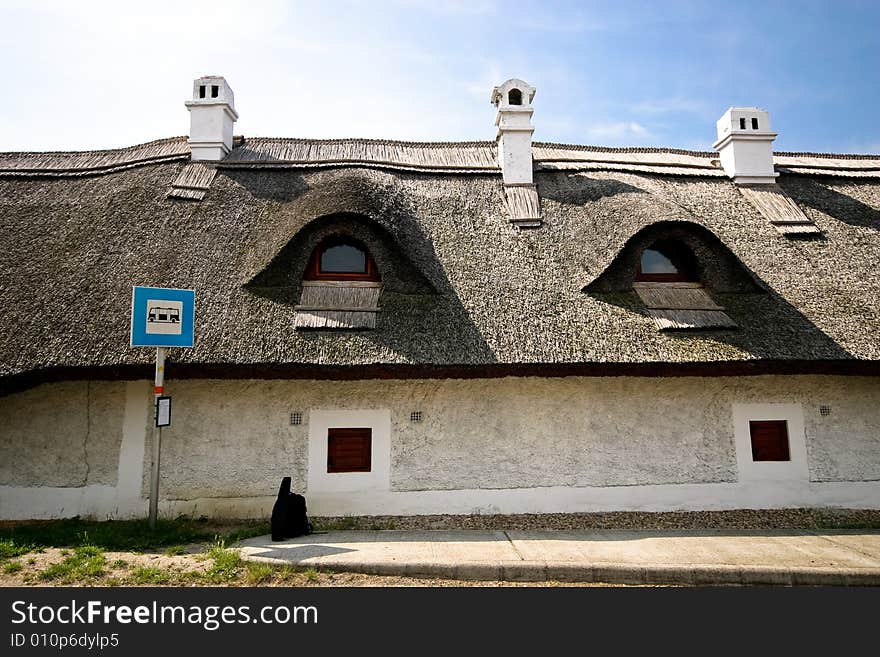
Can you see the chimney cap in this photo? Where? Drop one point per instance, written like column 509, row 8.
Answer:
column 748, row 121
column 501, row 93
column 211, row 90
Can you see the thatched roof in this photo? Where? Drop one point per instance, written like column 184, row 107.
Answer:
column 465, row 292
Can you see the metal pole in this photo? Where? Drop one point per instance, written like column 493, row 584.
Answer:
column 157, row 438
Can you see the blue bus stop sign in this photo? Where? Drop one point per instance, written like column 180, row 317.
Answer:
column 162, row 317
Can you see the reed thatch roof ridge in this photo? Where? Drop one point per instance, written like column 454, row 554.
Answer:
column 624, row 149
column 481, row 156
column 833, row 156
column 462, row 288
column 371, row 141
column 79, row 162
column 435, row 157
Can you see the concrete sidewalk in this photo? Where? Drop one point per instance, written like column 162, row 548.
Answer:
column 714, row 557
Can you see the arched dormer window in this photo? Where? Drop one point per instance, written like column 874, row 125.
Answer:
column 341, row 259
column 340, row 288
column 514, row 97
column 668, row 283
column 667, row 261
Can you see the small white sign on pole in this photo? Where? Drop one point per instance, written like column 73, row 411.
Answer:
column 163, row 411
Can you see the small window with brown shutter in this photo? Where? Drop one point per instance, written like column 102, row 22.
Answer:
column 348, row 450
column 769, row 440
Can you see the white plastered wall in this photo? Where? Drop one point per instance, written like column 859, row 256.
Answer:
column 119, row 497
column 511, row 445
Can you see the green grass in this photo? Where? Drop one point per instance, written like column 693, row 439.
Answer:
column 149, row 575
column 115, row 535
column 9, row 548
column 175, row 550
column 226, row 564
column 311, row 575
column 85, row 563
column 257, row 573
column 251, row 529
column 12, row 567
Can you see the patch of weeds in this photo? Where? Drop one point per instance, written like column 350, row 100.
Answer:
column 248, row 531
column 65, row 553
column 12, row 567
column 86, row 563
column 190, row 577
column 227, row 562
column 31, row 561
column 113, row 535
column 311, row 575
column 10, row 548
column 119, row 563
column 257, row 573
column 286, row 572
column 149, row 575
column 175, row 550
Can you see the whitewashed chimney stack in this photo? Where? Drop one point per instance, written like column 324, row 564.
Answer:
column 745, row 144
column 513, row 99
column 212, row 113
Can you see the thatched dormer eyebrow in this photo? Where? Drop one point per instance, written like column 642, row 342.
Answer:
column 282, row 278
column 718, row 268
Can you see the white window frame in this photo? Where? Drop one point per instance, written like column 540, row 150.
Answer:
column 379, row 477
column 796, row 468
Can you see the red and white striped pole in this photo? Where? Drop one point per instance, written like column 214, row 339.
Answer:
column 158, row 391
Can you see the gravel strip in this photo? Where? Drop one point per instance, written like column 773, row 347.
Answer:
column 735, row 519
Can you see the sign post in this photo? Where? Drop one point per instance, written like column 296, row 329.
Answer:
column 161, row 317
column 158, row 389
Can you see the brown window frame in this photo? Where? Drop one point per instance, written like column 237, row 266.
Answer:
column 337, row 435
column 784, row 449
column 315, row 273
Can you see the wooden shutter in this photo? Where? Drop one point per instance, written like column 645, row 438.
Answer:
column 769, row 440
column 348, row 450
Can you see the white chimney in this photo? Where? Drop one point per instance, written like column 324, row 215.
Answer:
column 212, row 113
column 514, row 120
column 745, row 144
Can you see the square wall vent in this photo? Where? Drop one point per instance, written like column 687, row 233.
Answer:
column 296, row 418
column 415, row 416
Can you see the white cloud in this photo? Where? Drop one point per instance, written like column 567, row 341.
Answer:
column 670, row 105
column 617, row 130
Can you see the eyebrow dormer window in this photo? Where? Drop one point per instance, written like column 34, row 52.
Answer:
column 667, row 281
column 341, row 259
column 667, row 261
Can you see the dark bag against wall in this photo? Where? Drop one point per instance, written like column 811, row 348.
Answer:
column 281, row 511
column 298, row 520
column 289, row 518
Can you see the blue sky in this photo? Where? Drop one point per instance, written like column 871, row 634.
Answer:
column 86, row 75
